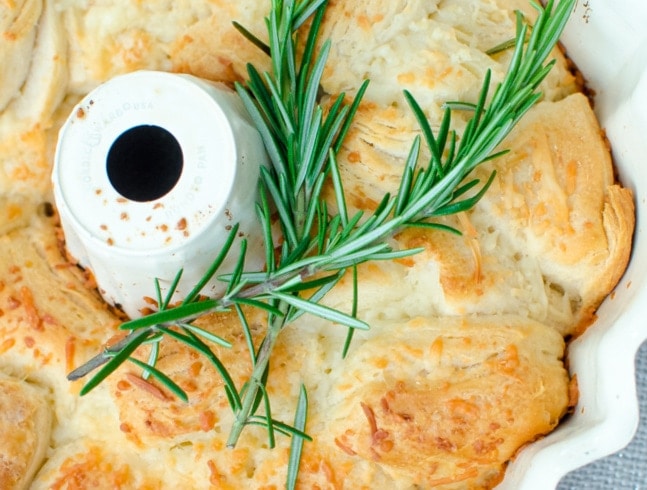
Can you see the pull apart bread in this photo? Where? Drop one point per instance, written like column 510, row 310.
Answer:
column 464, row 361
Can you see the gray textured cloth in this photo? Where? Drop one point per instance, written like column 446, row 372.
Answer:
column 626, row 470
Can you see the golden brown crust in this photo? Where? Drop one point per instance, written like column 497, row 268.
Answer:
column 551, row 238
column 214, row 49
column 369, row 42
column 453, row 399
column 27, row 137
column 25, row 428
column 18, row 27
column 90, row 465
column 555, row 196
column 148, row 413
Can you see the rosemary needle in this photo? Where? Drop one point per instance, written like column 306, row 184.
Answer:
column 302, row 141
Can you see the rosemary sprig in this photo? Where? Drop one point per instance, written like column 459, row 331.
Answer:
column 318, row 247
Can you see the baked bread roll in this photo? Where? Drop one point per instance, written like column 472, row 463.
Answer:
column 464, row 361
column 551, row 237
column 27, row 121
column 18, row 22
column 25, row 429
column 417, row 410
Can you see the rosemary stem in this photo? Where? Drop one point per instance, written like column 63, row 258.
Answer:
column 225, row 302
column 255, row 383
column 107, row 354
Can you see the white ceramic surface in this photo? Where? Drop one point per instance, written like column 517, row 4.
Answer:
column 107, row 154
column 608, row 41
